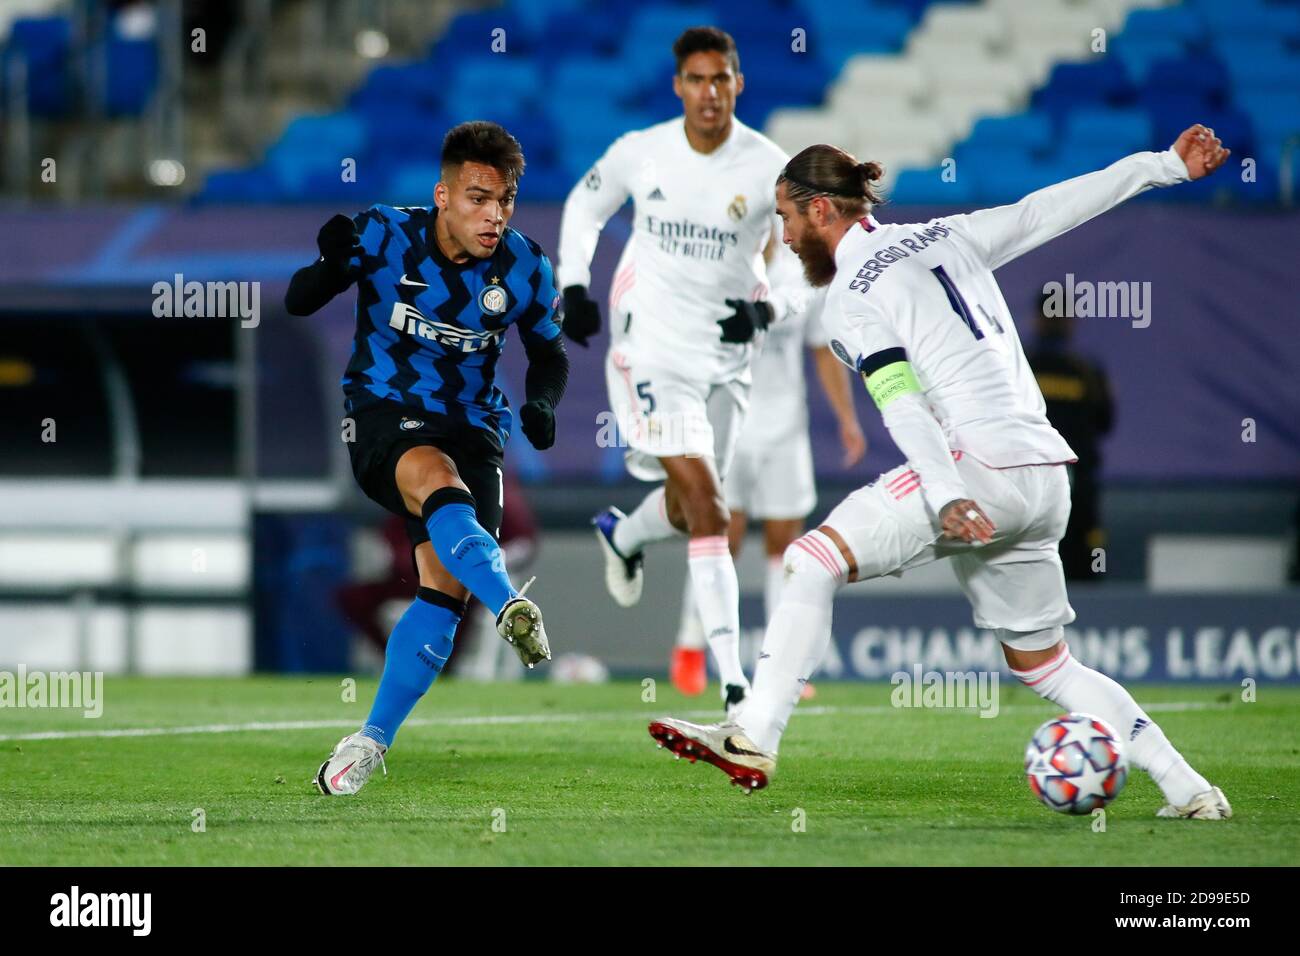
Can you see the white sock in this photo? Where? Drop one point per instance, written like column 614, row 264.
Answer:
column 647, row 524
column 796, row 638
column 690, row 632
column 717, row 596
column 1073, row 687
column 773, row 581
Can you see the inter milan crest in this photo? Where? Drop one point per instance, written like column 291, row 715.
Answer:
column 737, row 209
column 411, row 424
column 493, row 299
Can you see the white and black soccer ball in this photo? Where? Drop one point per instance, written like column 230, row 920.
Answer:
column 1075, row 763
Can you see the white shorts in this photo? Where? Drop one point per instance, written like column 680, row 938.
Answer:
column 1015, row 582
column 662, row 413
column 773, row 480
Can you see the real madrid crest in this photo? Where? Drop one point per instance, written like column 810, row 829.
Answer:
column 493, row 299
column 737, row 209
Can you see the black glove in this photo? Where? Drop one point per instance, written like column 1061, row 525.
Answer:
column 581, row 315
column 750, row 317
column 537, row 420
column 338, row 243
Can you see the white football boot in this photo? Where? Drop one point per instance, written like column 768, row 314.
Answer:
column 624, row 577
column 350, row 765
column 520, row 623
column 1210, row 805
column 723, row 745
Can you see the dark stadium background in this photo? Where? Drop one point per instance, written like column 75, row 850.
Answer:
column 196, row 514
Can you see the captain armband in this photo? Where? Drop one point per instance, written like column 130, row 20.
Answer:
column 888, row 374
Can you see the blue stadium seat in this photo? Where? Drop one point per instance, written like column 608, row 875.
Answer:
column 411, row 184
column 132, row 76
column 1249, row 18
column 1281, row 73
column 1082, row 158
column 1189, row 74
column 590, row 77
column 647, row 44
column 1103, row 81
column 404, row 126
column 508, row 80
column 43, row 44
column 545, row 183
column 923, row 186
column 579, row 33
column 1027, row 132
column 1182, row 23
column 1275, row 115
column 1138, row 53
column 419, row 84
column 1008, row 181
column 1119, row 130
column 312, row 145
column 839, row 31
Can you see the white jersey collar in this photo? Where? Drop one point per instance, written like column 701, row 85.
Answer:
column 866, row 224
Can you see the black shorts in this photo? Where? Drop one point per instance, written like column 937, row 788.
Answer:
column 386, row 430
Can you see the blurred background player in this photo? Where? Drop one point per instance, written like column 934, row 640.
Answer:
column 771, row 476
column 692, row 299
column 437, row 288
column 984, row 482
column 1080, row 407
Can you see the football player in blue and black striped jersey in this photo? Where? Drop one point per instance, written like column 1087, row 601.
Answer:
column 437, row 287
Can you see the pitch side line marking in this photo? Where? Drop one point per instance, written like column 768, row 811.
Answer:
column 485, row 720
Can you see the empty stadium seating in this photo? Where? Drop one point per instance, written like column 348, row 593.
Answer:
column 37, row 50
column 1017, row 93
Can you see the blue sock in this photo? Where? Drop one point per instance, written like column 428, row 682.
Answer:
column 468, row 552
column 417, row 650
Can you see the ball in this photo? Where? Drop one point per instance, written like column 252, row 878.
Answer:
column 1075, row 763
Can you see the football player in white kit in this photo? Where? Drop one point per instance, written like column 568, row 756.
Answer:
column 916, row 311
column 771, row 474
column 692, row 303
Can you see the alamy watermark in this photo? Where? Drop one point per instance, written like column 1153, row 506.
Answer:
column 1102, row 300
column 660, row 434
column 946, row 689
column 72, row 690
column 133, row 911
column 208, row 300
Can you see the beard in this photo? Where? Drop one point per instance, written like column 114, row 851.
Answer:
column 818, row 261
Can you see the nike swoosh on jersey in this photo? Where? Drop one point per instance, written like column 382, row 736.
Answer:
column 405, row 281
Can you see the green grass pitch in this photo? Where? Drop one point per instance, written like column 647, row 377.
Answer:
column 536, row 773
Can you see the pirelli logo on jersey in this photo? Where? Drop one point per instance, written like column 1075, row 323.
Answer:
column 884, row 258
column 407, row 318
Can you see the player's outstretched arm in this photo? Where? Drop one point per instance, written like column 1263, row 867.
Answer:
column 1006, row 232
column 314, row 285
column 586, row 210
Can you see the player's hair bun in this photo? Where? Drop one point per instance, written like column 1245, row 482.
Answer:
column 870, row 173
